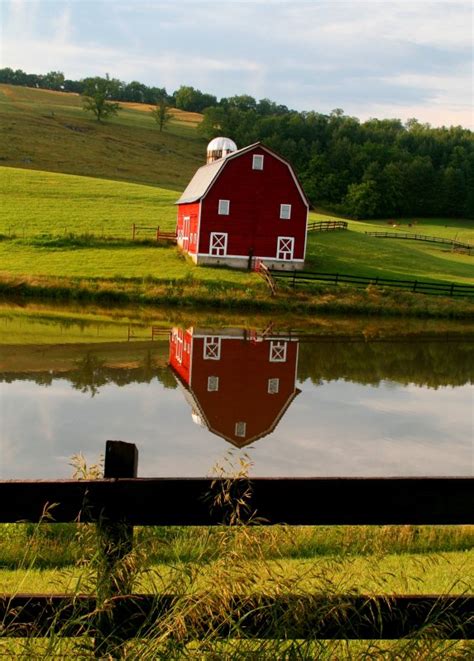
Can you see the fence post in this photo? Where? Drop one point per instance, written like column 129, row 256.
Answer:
column 414, row 285
column 157, row 232
column 115, row 542
column 133, row 232
column 294, row 278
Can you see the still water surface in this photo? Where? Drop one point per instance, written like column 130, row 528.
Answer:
column 298, row 403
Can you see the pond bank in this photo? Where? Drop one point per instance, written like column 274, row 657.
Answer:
column 190, row 294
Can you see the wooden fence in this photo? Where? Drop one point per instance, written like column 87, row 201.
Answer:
column 159, row 236
column 121, row 500
column 423, row 237
column 305, row 278
column 327, row 225
column 263, row 270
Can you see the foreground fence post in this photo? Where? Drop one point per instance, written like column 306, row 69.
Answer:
column 115, row 542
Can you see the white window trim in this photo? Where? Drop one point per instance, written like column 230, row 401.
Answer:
column 241, row 429
column 278, row 351
column 288, row 250
column 273, row 386
column 212, row 348
column 223, row 208
column 220, row 238
column 283, row 207
column 212, row 384
column 257, row 162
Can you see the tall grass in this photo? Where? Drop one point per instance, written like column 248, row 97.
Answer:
column 203, row 621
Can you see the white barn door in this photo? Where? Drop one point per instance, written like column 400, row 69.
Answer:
column 218, row 244
column 186, row 225
column 285, row 247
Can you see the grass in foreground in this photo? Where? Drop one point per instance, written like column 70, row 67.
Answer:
column 235, row 561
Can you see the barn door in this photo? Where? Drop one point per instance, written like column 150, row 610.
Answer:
column 285, row 247
column 218, row 244
column 186, row 232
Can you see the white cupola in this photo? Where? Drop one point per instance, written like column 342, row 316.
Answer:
column 220, row 147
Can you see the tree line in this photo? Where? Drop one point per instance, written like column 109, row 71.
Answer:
column 377, row 168
column 372, row 169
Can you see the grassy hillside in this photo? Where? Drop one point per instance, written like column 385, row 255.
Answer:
column 46, row 130
column 44, row 215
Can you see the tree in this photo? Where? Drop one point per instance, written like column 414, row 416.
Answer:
column 53, row 80
column 96, row 95
column 362, row 200
column 161, row 113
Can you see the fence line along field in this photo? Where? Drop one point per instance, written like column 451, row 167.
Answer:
column 65, row 225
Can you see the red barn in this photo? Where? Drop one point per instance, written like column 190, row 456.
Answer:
column 244, row 203
column 238, row 386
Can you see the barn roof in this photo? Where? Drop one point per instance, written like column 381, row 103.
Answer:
column 207, row 174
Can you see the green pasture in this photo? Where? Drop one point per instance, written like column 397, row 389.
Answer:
column 57, row 225
column 353, row 253
column 45, row 130
column 51, row 204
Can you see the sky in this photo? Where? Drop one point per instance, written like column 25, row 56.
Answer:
column 376, row 58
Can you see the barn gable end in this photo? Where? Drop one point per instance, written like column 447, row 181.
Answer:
column 249, row 204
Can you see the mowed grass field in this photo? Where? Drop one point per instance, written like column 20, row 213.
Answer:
column 46, row 130
column 63, row 225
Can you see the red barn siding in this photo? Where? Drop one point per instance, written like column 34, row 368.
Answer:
column 188, row 230
column 243, row 370
column 254, row 223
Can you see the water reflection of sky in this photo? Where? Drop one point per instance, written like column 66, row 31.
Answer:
column 336, row 428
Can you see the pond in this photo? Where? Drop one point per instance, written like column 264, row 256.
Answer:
column 298, row 399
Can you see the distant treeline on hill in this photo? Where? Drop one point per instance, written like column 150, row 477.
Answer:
column 376, row 168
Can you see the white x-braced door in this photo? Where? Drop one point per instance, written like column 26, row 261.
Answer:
column 218, row 244
column 285, row 247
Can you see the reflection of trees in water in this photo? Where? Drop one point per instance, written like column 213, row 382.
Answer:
column 430, row 363
column 91, row 373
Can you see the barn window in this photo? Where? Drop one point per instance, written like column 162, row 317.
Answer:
column 285, row 247
column 218, row 244
column 212, row 383
column 224, row 207
column 285, row 211
column 273, row 386
column 212, row 348
column 257, row 162
column 278, row 351
column 241, row 429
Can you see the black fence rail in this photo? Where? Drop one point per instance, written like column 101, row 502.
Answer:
column 327, row 225
column 423, row 237
column 121, row 500
column 306, row 278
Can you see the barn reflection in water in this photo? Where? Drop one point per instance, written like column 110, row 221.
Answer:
column 238, row 383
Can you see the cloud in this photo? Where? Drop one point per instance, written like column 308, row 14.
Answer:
column 390, row 58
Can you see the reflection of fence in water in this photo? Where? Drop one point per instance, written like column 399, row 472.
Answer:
column 155, row 333
column 118, row 503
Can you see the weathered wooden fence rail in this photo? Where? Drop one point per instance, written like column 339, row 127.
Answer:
column 120, row 501
column 159, row 235
column 305, row 278
column 423, row 237
column 327, row 225
column 262, row 269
